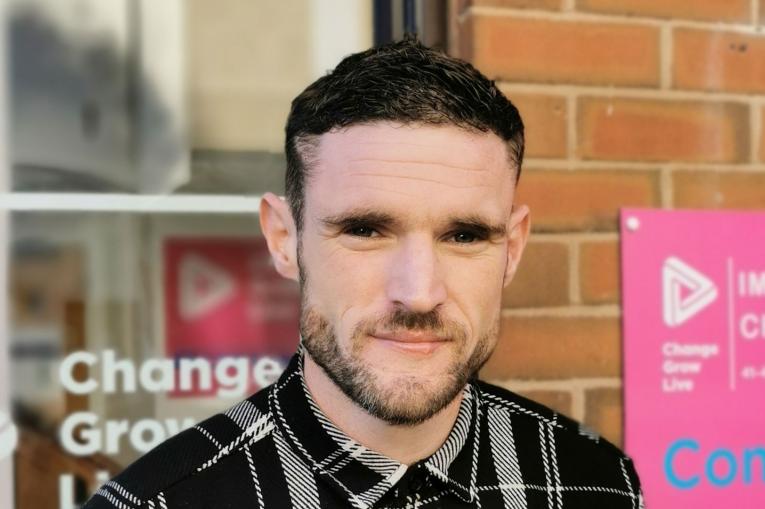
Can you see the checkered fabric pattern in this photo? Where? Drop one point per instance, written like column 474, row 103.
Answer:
column 278, row 450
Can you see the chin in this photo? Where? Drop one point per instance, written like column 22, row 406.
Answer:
column 410, row 400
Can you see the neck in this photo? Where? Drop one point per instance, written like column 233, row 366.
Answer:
column 406, row 444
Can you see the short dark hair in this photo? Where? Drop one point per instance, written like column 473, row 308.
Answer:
column 405, row 82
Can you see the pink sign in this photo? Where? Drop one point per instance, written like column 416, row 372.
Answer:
column 694, row 356
column 224, row 298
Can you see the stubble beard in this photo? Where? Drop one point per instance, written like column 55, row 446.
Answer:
column 407, row 399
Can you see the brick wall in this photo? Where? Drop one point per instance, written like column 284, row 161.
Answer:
column 650, row 103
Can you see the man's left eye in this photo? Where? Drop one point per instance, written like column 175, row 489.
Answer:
column 464, row 237
column 362, row 231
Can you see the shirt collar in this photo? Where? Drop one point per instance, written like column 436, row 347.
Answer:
column 360, row 474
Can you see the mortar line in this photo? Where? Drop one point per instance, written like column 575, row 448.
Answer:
column 594, row 311
column 558, row 384
column 755, row 12
column 574, row 291
column 667, row 189
column 627, row 92
column 606, row 164
column 571, row 122
column 755, row 128
column 564, row 164
column 579, row 16
column 666, row 47
column 576, row 236
column 578, row 404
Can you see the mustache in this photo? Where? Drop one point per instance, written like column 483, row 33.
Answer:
column 402, row 319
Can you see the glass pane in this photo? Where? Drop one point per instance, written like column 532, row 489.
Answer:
column 135, row 96
column 127, row 328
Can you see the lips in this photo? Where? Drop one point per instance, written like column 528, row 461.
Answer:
column 411, row 341
column 410, row 336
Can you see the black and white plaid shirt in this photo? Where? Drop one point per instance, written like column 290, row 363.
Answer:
column 277, row 450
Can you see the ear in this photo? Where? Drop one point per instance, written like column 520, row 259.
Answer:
column 519, row 223
column 278, row 226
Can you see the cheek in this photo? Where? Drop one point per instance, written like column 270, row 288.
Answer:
column 477, row 289
column 340, row 281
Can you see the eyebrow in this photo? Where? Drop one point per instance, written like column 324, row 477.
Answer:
column 375, row 218
column 475, row 222
column 357, row 217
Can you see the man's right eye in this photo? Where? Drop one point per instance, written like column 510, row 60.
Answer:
column 361, row 231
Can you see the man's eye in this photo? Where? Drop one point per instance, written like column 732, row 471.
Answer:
column 361, row 231
column 464, row 237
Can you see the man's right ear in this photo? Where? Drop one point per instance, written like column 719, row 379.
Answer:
column 278, row 227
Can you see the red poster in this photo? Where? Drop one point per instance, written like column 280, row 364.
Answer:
column 223, row 298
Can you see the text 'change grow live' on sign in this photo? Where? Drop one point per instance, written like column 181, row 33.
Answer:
column 694, row 356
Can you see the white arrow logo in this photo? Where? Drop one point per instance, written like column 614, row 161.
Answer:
column 203, row 286
column 9, row 437
column 678, row 277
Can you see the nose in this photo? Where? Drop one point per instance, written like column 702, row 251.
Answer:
column 415, row 280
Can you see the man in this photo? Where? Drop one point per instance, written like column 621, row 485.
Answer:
column 401, row 228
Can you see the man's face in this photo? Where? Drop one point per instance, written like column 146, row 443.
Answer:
column 408, row 240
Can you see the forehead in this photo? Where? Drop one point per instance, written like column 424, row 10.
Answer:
column 387, row 165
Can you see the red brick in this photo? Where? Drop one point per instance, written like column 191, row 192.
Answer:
column 542, row 278
column 604, row 414
column 713, row 10
column 718, row 190
column 599, row 274
column 554, row 5
column 656, row 130
column 522, row 49
column 544, row 118
column 580, row 200
column 718, row 61
column 549, row 347
column 560, row 401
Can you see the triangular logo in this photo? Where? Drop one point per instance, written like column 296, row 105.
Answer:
column 203, row 286
column 686, row 291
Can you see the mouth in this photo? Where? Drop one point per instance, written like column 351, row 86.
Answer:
column 416, row 342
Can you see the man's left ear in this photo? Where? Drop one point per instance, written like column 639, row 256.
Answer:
column 520, row 223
